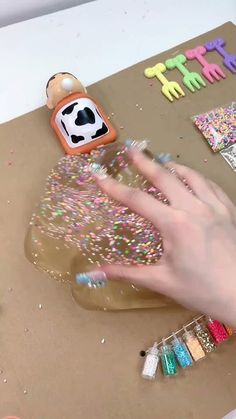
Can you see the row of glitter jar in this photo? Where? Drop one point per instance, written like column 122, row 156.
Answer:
column 193, row 346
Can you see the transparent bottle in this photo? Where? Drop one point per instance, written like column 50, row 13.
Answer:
column 181, row 352
column 193, row 345
column 204, row 338
column 76, row 228
column 217, row 330
column 168, row 360
column 151, row 363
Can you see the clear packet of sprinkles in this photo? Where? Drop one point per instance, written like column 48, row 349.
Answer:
column 229, row 154
column 218, row 126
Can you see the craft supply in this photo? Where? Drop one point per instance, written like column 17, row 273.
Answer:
column 151, row 363
column 229, row 154
column 169, row 88
column 218, row 126
column 191, row 79
column 217, row 330
column 229, row 59
column 78, row 120
column 204, row 338
column 188, row 347
column 168, row 361
column 193, row 345
column 181, row 352
column 229, row 330
column 210, row 71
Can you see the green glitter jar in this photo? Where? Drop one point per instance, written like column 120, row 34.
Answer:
column 168, row 361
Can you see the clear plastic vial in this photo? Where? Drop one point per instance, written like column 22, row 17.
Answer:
column 217, row 330
column 168, row 361
column 193, row 345
column 181, row 352
column 204, row 338
column 151, row 363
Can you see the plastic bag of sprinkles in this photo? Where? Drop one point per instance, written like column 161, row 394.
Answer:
column 218, row 126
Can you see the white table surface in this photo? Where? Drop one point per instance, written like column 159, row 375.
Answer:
column 95, row 40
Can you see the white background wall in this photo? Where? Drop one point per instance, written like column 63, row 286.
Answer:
column 12, row 11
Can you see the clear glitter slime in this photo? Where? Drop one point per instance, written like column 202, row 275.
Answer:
column 229, row 330
column 77, row 228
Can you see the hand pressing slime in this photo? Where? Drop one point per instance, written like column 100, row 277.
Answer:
column 78, row 228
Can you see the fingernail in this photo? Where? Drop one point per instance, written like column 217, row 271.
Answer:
column 98, row 170
column 163, row 158
column 93, row 279
column 136, row 145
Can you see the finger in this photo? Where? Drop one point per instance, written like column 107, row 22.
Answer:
column 197, row 183
column 170, row 185
column 138, row 201
column 221, row 195
column 153, row 277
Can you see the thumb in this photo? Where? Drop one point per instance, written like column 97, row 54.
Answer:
column 152, row 277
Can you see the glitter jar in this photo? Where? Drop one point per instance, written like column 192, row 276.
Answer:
column 181, row 352
column 229, row 330
column 193, row 345
column 168, row 361
column 77, row 228
column 204, row 338
column 217, row 330
column 151, row 363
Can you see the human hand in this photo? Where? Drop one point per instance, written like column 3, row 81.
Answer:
column 198, row 268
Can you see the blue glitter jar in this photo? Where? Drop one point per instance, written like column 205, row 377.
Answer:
column 181, row 352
